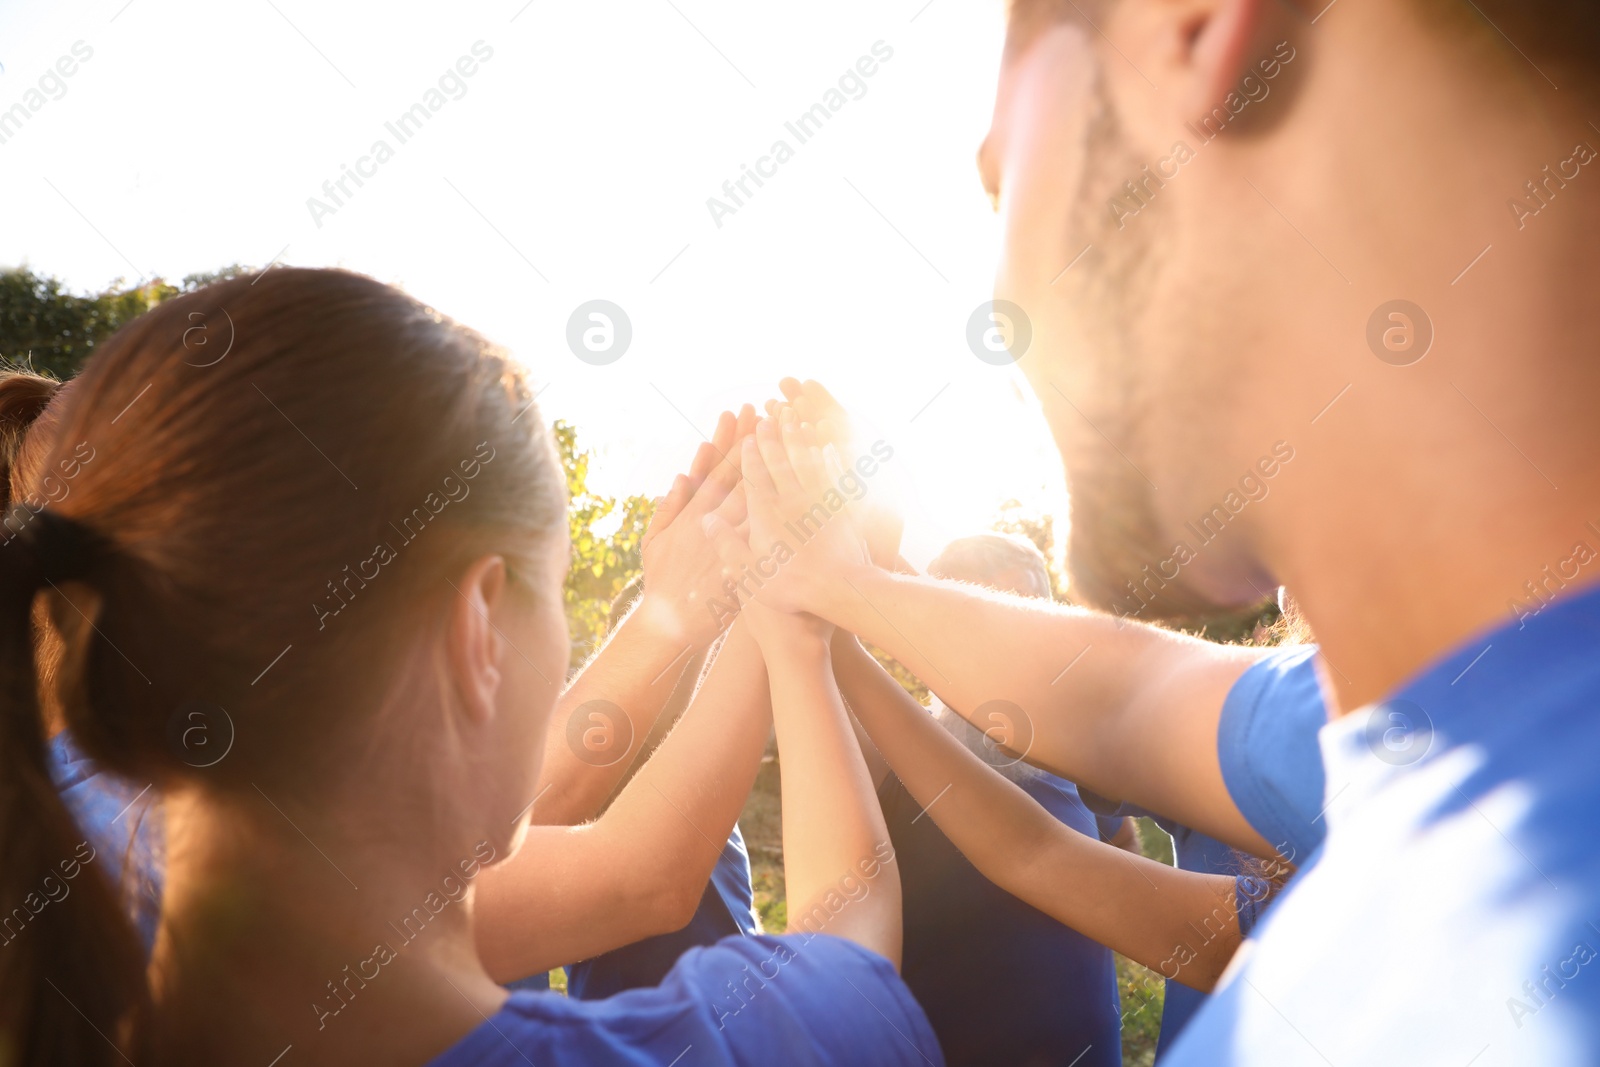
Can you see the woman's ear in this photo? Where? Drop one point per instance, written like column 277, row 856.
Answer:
column 473, row 643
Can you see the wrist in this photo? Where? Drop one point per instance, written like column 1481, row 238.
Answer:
column 847, row 594
column 661, row 620
column 795, row 647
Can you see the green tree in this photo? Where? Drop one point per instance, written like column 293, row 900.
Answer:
column 44, row 327
column 201, row 278
column 53, row 331
column 602, row 562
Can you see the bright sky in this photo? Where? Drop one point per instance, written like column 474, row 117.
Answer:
column 573, row 164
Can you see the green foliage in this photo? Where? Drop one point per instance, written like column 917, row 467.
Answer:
column 1142, row 994
column 1142, row 991
column 1154, row 842
column 200, row 279
column 53, row 331
column 602, row 563
column 45, row 328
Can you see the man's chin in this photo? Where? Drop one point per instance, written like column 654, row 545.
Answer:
column 1118, row 562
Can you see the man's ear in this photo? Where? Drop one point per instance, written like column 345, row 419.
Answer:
column 472, row 644
column 1196, row 51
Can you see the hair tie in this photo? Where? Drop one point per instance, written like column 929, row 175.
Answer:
column 44, row 548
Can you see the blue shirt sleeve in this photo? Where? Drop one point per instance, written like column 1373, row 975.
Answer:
column 1267, row 745
column 746, row 1000
column 725, row 908
column 122, row 825
column 1250, row 899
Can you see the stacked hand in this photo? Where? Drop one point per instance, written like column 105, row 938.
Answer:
column 800, row 535
column 682, row 572
column 881, row 524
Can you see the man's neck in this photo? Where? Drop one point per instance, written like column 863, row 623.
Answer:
column 1411, row 567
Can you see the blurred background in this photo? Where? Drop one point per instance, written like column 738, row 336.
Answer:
column 574, row 163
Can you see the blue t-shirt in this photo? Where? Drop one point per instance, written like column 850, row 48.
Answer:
column 121, row 823
column 727, row 907
column 1267, row 745
column 1002, row 981
column 1453, row 916
column 1191, row 851
column 761, row 1001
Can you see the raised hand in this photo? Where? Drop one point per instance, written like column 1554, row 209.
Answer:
column 722, row 447
column 880, row 523
column 682, row 572
column 800, row 535
column 815, row 405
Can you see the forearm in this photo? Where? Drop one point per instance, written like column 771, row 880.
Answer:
column 564, row 897
column 994, row 823
column 616, row 699
column 1166, row 919
column 838, row 862
column 1129, row 710
column 1181, row 924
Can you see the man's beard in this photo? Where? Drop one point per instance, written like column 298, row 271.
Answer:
column 1116, row 543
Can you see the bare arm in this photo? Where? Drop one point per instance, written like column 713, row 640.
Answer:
column 618, row 695
column 1178, row 922
column 838, row 860
column 834, row 838
column 612, row 704
column 1126, row 709
column 566, row 896
column 1129, row 710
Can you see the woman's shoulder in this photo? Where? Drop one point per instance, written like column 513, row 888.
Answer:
column 798, row 999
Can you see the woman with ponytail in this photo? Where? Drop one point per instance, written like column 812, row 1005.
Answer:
column 338, row 552
column 45, row 946
column 120, row 828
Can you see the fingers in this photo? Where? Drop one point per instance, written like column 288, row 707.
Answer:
column 714, row 490
column 805, row 457
column 708, row 455
column 668, row 508
column 756, row 476
column 832, row 473
column 743, row 427
column 770, row 441
column 732, row 549
column 814, row 404
column 835, row 429
column 705, row 458
column 733, row 510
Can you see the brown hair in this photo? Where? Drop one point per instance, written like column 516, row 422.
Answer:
column 23, row 398
column 260, row 533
